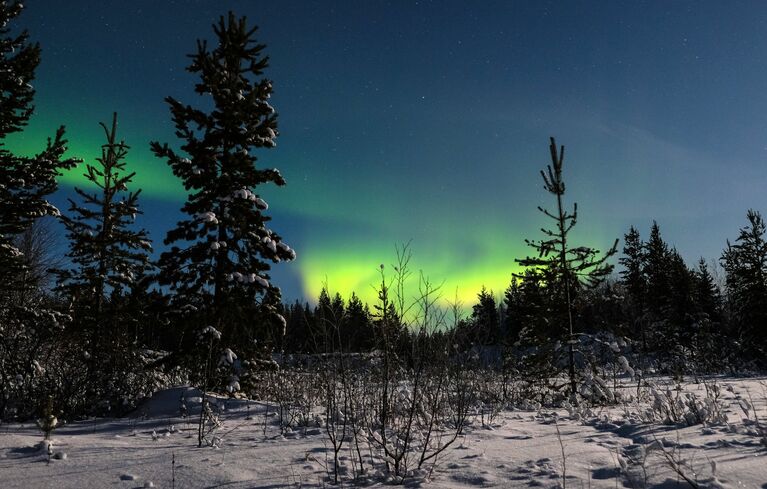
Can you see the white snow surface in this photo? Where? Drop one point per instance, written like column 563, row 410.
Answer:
column 520, row 449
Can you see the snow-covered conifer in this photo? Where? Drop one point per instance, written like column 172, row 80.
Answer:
column 218, row 257
column 24, row 181
column 107, row 253
column 108, row 257
column 26, row 319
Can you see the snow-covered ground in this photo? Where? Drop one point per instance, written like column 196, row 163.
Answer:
column 609, row 447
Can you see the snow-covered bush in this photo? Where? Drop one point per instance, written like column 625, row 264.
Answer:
column 539, row 374
column 675, row 406
column 48, row 421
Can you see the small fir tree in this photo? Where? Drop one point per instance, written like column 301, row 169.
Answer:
column 109, row 259
column 48, row 421
column 107, row 254
column 563, row 268
column 218, row 262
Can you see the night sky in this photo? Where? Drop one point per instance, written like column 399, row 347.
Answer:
column 430, row 121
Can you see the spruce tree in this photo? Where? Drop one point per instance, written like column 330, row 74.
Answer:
column 109, row 258
column 563, row 268
column 107, row 254
column 485, row 319
column 679, row 329
column 512, row 302
column 218, row 262
column 297, row 328
column 711, row 343
column 28, row 319
column 745, row 265
column 633, row 259
column 24, row 181
column 706, row 294
column 357, row 326
column 656, row 270
column 634, row 281
column 527, row 304
column 327, row 318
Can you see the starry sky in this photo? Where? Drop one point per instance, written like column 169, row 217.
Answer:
column 429, row 121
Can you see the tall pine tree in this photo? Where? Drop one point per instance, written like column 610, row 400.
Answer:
column 218, row 263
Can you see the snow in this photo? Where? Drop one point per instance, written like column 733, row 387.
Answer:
column 243, row 193
column 210, row 331
column 11, row 250
column 262, row 281
column 269, row 242
column 603, row 448
column 227, row 357
column 208, row 218
column 291, row 253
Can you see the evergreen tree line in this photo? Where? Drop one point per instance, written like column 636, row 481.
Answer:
column 678, row 318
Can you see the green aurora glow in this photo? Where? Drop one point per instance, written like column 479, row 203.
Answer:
column 349, row 234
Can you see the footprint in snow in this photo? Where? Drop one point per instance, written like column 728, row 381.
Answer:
column 476, row 455
column 473, row 479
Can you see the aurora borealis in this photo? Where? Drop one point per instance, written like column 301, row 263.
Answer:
column 429, row 121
